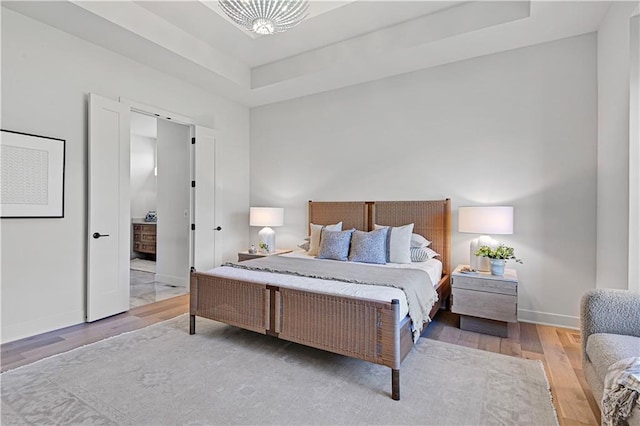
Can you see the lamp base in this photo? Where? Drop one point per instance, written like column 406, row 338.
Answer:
column 267, row 237
column 481, row 263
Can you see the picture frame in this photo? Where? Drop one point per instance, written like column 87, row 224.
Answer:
column 32, row 181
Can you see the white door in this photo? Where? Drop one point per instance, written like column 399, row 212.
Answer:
column 208, row 228
column 108, row 208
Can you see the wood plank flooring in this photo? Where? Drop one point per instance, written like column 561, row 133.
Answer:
column 557, row 348
column 25, row 351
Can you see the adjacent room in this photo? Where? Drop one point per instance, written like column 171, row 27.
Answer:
column 320, row 212
column 159, row 250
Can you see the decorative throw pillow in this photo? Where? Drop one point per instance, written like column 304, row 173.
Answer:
column 316, row 233
column 418, row 240
column 422, row 254
column 369, row 247
column 304, row 245
column 398, row 243
column 335, row 244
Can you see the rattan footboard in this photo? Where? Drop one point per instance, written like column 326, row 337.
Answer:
column 358, row 328
column 234, row 302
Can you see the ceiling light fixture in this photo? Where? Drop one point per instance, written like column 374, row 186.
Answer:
column 266, row 17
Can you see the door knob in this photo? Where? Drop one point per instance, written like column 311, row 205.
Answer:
column 97, row 235
column 219, row 228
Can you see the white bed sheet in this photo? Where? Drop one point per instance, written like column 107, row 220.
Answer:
column 433, row 268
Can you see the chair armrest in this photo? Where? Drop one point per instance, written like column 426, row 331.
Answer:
column 609, row 311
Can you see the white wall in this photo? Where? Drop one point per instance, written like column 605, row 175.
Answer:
column 46, row 75
column 634, row 153
column 613, row 147
column 143, row 180
column 515, row 128
column 174, row 186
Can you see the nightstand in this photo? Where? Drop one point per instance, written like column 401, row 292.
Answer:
column 485, row 302
column 245, row 255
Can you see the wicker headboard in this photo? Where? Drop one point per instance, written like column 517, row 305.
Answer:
column 431, row 219
column 352, row 214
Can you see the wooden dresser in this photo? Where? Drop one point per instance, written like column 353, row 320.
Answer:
column 144, row 238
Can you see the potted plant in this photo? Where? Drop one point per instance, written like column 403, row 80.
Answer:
column 498, row 257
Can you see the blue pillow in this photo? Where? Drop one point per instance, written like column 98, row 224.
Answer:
column 369, row 247
column 335, row 244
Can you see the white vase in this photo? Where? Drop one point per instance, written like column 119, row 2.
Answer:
column 497, row 266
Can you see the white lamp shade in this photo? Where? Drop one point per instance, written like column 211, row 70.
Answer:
column 266, row 216
column 496, row 220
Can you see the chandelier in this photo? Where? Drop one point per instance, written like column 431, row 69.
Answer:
column 266, row 17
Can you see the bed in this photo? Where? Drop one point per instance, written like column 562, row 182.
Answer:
column 358, row 327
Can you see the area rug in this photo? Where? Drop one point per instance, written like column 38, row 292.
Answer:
column 160, row 375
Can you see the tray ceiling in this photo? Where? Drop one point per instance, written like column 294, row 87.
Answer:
column 342, row 43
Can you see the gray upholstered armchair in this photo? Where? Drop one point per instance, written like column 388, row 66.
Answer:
column 610, row 326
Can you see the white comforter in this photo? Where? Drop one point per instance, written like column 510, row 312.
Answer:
column 433, row 268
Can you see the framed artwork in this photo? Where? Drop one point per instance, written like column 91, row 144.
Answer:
column 32, row 177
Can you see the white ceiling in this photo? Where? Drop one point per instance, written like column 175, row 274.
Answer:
column 341, row 43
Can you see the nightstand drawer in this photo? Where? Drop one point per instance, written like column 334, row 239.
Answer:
column 500, row 307
column 486, row 285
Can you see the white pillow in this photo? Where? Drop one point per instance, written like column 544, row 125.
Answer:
column 422, row 254
column 398, row 243
column 418, row 240
column 316, row 231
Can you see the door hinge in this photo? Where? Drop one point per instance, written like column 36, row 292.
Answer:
column 193, row 141
column 193, row 226
column 193, row 183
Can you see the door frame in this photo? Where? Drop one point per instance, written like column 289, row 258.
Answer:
column 160, row 113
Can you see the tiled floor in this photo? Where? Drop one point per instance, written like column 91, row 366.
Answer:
column 145, row 290
column 144, row 265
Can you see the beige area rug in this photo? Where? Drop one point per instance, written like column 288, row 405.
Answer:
column 161, row 375
column 143, row 265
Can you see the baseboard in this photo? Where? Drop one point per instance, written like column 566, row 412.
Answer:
column 171, row 280
column 546, row 318
column 40, row 325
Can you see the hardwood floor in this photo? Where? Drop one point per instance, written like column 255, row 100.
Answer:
column 25, row 351
column 557, row 348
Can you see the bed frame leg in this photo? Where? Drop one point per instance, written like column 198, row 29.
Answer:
column 192, row 324
column 395, row 384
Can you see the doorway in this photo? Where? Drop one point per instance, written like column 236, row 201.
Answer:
column 109, row 202
column 160, row 209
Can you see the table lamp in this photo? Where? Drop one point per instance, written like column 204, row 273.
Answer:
column 497, row 220
column 267, row 217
